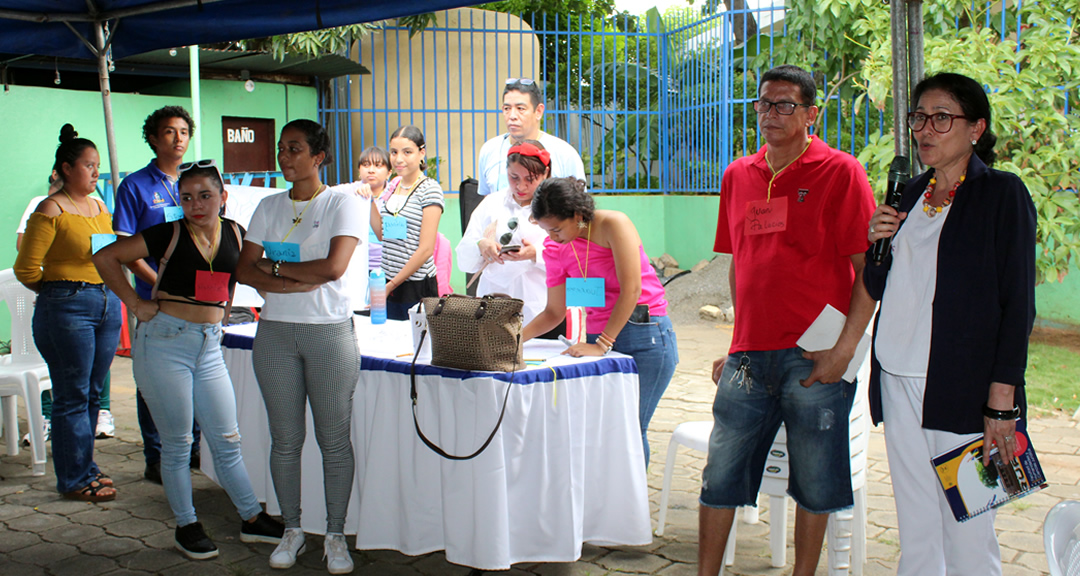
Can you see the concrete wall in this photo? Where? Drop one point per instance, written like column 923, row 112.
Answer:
column 31, row 118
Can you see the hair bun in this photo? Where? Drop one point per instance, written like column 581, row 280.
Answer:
column 68, row 133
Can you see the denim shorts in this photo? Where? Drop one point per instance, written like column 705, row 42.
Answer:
column 757, row 391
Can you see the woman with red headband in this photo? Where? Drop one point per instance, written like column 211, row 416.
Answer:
column 500, row 239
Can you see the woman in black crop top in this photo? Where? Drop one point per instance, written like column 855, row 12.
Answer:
column 177, row 356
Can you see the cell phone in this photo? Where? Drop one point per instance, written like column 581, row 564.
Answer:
column 510, row 248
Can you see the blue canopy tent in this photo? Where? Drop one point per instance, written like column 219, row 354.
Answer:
column 104, row 29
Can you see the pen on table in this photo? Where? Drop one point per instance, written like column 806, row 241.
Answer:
column 565, row 340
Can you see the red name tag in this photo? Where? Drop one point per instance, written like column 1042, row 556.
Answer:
column 766, row 217
column 211, row 286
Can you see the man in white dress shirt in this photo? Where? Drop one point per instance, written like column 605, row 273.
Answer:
column 523, row 109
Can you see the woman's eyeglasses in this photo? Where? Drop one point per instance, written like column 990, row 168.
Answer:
column 782, row 108
column 940, row 122
column 508, row 236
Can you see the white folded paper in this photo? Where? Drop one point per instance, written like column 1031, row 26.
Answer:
column 825, row 331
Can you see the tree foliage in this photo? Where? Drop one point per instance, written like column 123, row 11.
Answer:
column 1032, row 81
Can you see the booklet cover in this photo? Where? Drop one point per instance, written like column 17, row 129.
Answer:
column 972, row 489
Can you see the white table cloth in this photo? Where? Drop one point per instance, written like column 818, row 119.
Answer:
column 565, row 468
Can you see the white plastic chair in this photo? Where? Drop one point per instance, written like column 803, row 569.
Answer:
column 1061, row 539
column 25, row 375
column 847, row 528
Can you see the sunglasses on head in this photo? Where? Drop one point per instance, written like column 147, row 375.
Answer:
column 522, row 81
column 207, row 163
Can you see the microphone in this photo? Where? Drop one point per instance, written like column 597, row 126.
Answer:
column 898, row 177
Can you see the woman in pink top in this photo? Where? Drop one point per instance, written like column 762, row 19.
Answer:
column 595, row 259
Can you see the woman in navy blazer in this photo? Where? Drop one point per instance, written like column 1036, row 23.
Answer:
column 957, row 299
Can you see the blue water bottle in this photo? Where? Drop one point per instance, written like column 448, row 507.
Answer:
column 377, row 286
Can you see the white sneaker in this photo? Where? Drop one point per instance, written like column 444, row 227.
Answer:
column 47, row 433
column 336, row 554
column 105, row 426
column 292, row 545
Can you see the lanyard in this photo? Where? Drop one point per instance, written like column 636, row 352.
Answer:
column 403, row 204
column 208, row 256
column 588, row 244
column 298, row 218
column 169, row 191
column 93, row 220
column 776, row 173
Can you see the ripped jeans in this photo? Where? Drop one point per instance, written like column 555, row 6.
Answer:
column 757, row 391
column 181, row 374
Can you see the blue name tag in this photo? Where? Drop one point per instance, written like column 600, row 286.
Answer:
column 395, row 228
column 173, row 213
column 586, row 292
column 282, row 251
column 99, row 241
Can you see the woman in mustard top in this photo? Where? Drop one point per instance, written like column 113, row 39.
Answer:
column 76, row 319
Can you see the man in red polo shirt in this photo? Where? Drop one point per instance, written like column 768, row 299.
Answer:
column 794, row 218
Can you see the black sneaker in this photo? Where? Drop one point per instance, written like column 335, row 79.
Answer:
column 264, row 529
column 193, row 542
column 153, row 472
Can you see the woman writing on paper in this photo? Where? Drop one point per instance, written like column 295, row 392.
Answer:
column 407, row 222
column 957, row 305
column 177, row 350
column 297, row 249
column 76, row 318
column 595, row 259
column 503, row 241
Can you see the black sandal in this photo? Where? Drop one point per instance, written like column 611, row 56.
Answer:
column 104, row 479
column 93, row 492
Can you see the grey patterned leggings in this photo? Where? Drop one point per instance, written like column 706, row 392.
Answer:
column 317, row 363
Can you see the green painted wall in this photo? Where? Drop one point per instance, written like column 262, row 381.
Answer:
column 31, row 118
column 1059, row 303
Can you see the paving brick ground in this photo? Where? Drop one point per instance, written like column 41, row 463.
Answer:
column 42, row 534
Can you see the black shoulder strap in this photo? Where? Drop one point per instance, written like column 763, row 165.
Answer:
column 416, row 423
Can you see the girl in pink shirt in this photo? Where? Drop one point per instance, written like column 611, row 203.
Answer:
column 595, row 259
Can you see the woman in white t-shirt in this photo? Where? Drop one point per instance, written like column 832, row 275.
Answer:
column 406, row 219
column 296, row 252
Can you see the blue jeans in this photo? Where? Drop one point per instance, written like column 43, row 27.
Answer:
column 756, row 392
column 179, row 369
column 76, row 329
column 656, row 352
column 150, row 436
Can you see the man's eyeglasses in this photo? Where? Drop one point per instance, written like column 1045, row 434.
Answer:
column 940, row 122
column 522, row 81
column 508, row 236
column 207, row 163
column 782, row 108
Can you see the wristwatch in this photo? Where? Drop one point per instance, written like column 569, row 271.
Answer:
column 277, row 268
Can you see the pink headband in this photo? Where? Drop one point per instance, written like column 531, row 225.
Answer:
column 527, row 149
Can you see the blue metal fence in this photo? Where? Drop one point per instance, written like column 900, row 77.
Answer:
column 651, row 106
